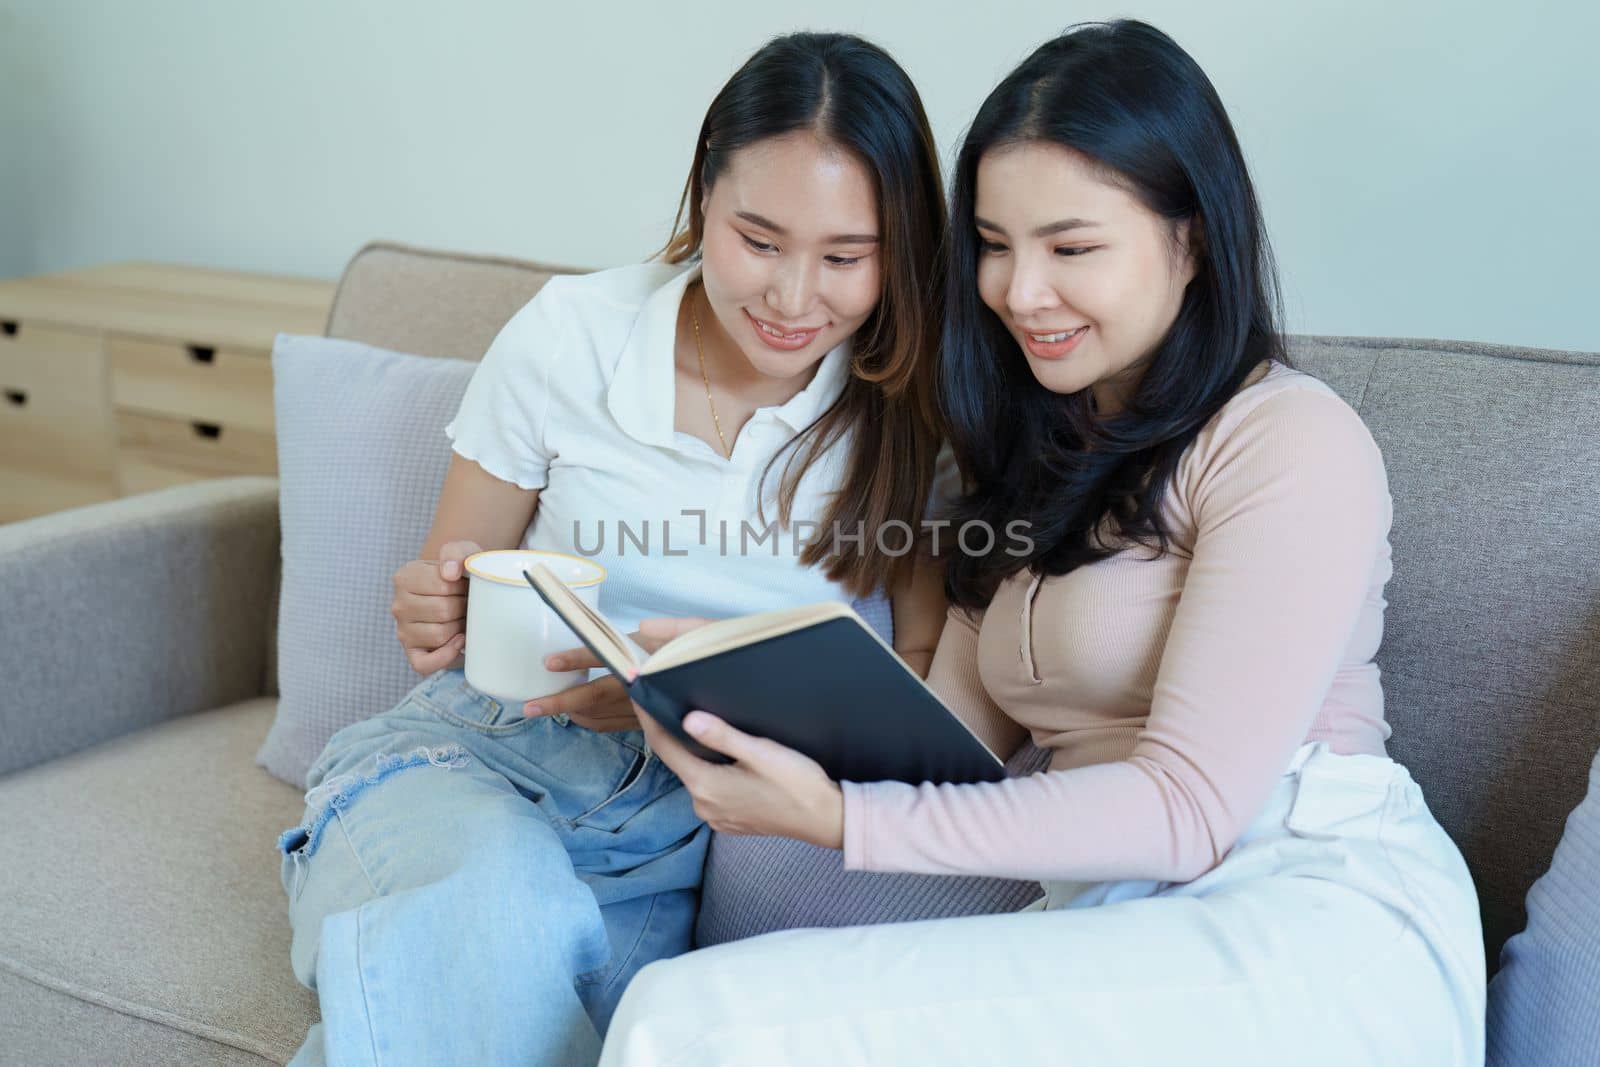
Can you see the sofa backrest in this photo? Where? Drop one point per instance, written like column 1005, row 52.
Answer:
column 1491, row 657
column 431, row 303
column 1491, row 650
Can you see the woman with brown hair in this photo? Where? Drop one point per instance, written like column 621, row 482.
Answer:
column 476, row 883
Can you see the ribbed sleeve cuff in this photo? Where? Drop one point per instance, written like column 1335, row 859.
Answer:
column 857, row 808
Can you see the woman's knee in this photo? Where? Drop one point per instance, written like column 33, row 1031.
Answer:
column 328, row 801
column 454, row 836
column 322, row 869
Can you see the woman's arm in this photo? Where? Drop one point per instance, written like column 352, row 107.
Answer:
column 476, row 506
column 954, row 677
column 918, row 604
column 918, row 600
column 1292, row 512
column 476, row 511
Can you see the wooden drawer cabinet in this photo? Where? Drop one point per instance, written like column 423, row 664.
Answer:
column 55, row 441
column 136, row 376
column 154, row 451
column 232, row 386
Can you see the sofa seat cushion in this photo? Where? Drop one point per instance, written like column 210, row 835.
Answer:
column 145, row 922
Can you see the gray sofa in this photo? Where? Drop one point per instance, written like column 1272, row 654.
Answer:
column 141, row 920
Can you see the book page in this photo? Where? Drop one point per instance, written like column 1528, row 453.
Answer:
column 725, row 634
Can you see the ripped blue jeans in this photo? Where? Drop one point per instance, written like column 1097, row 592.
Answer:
column 468, row 886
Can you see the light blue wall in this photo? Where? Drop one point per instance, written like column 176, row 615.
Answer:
column 1427, row 169
column 16, row 243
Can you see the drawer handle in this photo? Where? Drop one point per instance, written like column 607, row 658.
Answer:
column 10, row 328
column 202, row 353
column 209, row 430
column 17, row 397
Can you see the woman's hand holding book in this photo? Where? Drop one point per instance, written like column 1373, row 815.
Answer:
column 602, row 704
column 769, row 789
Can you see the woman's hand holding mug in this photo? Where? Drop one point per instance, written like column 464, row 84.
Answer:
column 430, row 608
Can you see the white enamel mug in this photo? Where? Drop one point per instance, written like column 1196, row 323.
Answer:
column 510, row 630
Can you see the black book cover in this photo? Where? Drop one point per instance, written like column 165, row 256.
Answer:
column 829, row 688
column 831, row 691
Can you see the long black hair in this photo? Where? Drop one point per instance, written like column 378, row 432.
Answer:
column 851, row 94
column 1127, row 97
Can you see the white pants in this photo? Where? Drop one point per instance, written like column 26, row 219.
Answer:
column 1342, row 929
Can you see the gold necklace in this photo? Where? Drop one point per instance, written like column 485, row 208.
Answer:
column 694, row 313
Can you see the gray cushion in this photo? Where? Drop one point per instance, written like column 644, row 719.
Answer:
column 1491, row 650
column 144, row 919
column 755, row 885
column 1544, row 1005
column 361, row 458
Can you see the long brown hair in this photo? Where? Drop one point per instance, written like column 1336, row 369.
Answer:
column 852, row 95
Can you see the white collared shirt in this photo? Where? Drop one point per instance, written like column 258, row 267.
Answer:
column 576, row 397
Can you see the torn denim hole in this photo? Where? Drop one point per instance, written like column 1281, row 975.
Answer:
column 341, row 789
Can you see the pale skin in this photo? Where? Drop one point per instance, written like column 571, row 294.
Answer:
column 769, row 790
column 1061, row 249
column 791, row 240
column 1123, row 275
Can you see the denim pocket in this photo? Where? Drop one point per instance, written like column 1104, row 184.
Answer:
column 613, row 810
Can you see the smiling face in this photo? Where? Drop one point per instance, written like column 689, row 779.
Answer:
column 790, row 260
column 1085, row 277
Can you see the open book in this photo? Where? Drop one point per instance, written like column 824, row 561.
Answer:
column 816, row 679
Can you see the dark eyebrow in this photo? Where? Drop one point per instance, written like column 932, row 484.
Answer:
column 1059, row 226
column 838, row 239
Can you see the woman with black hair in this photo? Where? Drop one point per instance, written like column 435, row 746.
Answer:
column 474, row 882
column 1234, row 870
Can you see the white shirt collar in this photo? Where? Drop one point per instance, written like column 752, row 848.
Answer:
column 641, row 394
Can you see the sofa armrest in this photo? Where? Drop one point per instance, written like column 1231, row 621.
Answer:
column 121, row 614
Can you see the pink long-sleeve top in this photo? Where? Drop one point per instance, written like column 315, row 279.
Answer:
column 1171, row 692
